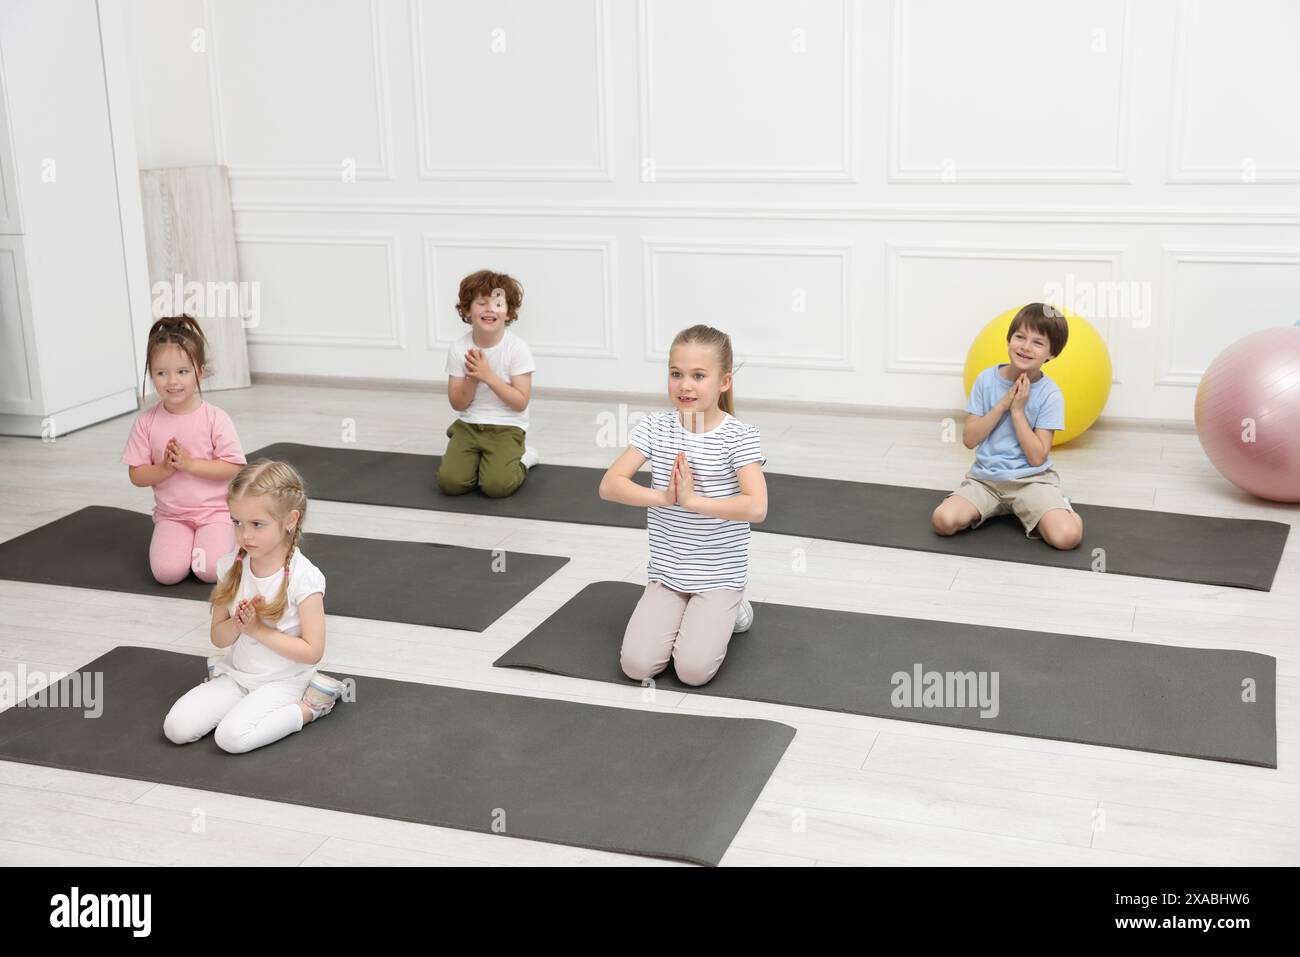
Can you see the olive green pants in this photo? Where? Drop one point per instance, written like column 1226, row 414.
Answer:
column 482, row 456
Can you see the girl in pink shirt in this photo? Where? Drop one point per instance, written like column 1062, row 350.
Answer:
column 187, row 450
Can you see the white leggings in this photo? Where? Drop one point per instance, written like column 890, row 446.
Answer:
column 244, row 720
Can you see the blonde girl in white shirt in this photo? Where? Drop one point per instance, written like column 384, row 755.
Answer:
column 268, row 608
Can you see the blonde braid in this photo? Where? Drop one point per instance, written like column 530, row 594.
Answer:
column 225, row 590
column 275, row 609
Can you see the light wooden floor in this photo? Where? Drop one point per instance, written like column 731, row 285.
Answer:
column 850, row 790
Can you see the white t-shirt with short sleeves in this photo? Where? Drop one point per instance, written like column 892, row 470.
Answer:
column 508, row 358
column 691, row 552
column 250, row 662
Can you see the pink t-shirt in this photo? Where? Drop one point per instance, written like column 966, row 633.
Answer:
column 205, row 433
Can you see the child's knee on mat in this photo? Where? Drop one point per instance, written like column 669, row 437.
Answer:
column 449, row 486
column 638, row 669
column 170, row 572
column 177, row 732
column 500, row 487
column 940, row 522
column 695, row 670
column 694, row 674
column 231, row 740
column 948, row 519
column 1061, row 528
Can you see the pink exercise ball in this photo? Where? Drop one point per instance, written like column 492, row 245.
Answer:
column 1256, row 378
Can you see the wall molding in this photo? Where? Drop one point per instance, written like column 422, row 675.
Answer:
column 1119, row 172
column 1263, row 215
column 379, row 58
column 1178, row 171
column 653, row 246
column 602, row 172
column 895, row 251
column 604, row 245
column 656, row 399
column 393, row 339
column 724, row 174
column 1170, row 258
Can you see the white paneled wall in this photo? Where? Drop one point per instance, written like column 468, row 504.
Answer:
column 1221, row 64
column 510, row 90
column 732, row 91
column 555, row 265
column 299, row 88
column 1016, row 91
column 852, row 188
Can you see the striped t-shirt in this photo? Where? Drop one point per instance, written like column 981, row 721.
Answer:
column 691, row 552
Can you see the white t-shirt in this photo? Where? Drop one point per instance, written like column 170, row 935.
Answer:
column 508, row 358
column 688, row 551
column 250, row 662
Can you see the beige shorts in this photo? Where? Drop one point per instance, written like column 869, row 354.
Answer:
column 1029, row 498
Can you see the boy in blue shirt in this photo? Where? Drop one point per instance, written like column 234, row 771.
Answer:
column 1014, row 410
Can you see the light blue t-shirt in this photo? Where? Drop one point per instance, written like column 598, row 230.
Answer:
column 1000, row 456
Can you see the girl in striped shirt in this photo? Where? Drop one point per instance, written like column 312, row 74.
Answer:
column 706, row 487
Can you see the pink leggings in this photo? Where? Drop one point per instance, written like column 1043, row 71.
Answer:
column 179, row 546
column 692, row 629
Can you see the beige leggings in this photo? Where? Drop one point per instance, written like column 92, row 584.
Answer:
column 691, row 628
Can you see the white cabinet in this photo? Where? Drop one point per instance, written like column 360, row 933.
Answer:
column 66, row 353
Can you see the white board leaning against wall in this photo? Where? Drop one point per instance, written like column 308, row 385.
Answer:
column 190, row 237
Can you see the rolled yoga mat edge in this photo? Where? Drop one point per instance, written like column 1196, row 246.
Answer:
column 1203, row 549
column 624, row 780
column 1098, row 691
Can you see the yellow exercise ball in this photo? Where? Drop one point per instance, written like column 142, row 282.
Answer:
column 1082, row 370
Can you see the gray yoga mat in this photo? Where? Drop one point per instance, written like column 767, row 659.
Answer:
column 617, row 779
column 1122, row 694
column 422, row 583
column 1236, row 552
